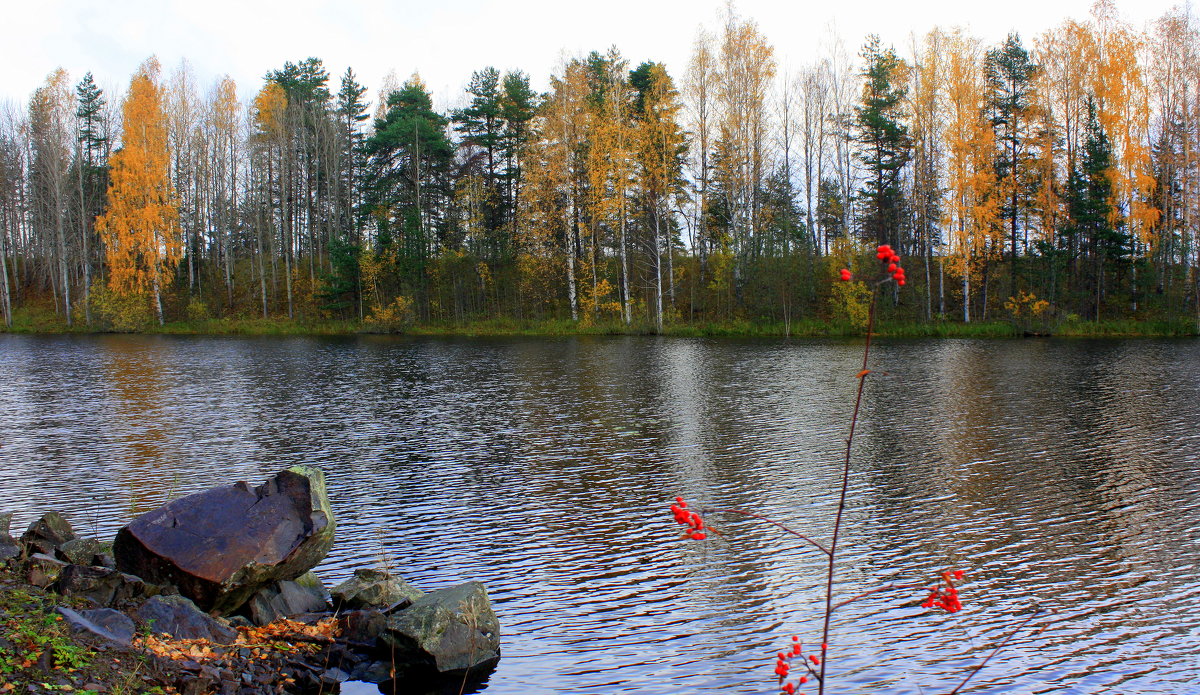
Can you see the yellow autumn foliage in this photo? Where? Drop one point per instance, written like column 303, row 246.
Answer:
column 141, row 225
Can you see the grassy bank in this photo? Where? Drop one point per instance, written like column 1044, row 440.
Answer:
column 29, row 322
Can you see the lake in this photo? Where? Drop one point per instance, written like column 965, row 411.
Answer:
column 1061, row 475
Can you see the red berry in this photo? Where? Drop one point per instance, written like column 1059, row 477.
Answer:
column 900, row 282
column 803, row 680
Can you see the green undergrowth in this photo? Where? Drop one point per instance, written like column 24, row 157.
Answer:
column 42, row 321
column 35, row 635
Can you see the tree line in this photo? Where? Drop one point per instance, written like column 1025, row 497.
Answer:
column 1057, row 177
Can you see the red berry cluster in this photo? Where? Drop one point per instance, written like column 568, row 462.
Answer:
column 692, row 520
column 945, row 595
column 845, row 274
column 782, row 667
column 885, row 253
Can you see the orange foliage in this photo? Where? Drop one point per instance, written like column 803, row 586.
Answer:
column 141, row 225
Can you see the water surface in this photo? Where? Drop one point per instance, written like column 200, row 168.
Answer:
column 1058, row 474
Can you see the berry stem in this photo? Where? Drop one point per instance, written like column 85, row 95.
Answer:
column 837, row 521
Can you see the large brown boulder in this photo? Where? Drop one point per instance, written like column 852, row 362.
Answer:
column 222, row 545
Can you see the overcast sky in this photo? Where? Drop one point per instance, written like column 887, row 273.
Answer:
column 445, row 41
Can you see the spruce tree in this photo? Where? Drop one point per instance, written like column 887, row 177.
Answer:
column 885, row 145
column 1010, row 73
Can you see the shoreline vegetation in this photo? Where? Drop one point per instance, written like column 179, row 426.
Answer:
column 37, row 323
column 1045, row 181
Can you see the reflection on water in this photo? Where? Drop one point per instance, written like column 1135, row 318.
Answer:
column 1059, row 474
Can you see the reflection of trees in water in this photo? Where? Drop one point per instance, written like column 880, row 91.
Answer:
column 135, row 372
column 1040, row 465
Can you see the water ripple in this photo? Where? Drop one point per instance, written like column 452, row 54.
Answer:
column 1061, row 475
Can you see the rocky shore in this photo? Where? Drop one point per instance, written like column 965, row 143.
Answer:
column 213, row 593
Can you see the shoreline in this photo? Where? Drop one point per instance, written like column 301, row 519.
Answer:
column 564, row 328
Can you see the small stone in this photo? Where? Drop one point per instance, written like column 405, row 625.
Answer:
column 100, row 584
column 96, row 687
column 41, row 570
column 179, row 617
column 372, row 588
column 9, row 549
column 112, row 625
column 362, row 626
column 47, row 533
column 334, row 676
column 286, row 599
column 373, row 672
column 78, row 551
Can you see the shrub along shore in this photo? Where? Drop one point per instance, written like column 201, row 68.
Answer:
column 28, row 322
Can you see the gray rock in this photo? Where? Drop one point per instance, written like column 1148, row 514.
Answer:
column 179, row 617
column 42, row 570
column 287, row 598
column 78, row 551
column 362, row 626
column 222, row 545
column 47, row 533
column 102, row 585
column 9, row 549
column 104, row 560
column 372, row 588
column 334, row 676
column 450, row 630
column 373, row 672
column 110, row 624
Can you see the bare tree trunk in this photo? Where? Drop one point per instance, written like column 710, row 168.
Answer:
column 5, row 296
column 570, row 235
column 624, row 269
column 966, row 283
column 62, row 263
column 658, row 273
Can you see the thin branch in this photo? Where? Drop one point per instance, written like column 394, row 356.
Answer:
column 782, row 527
column 1000, row 646
column 877, row 590
column 837, row 521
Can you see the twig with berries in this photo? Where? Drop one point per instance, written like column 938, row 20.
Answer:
column 942, row 595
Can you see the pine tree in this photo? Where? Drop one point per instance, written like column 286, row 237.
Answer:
column 1090, row 213
column 91, row 172
column 408, row 179
column 481, row 125
column 885, row 143
column 351, row 111
column 518, row 106
column 1010, row 75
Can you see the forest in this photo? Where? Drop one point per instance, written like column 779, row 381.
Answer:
column 1040, row 180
